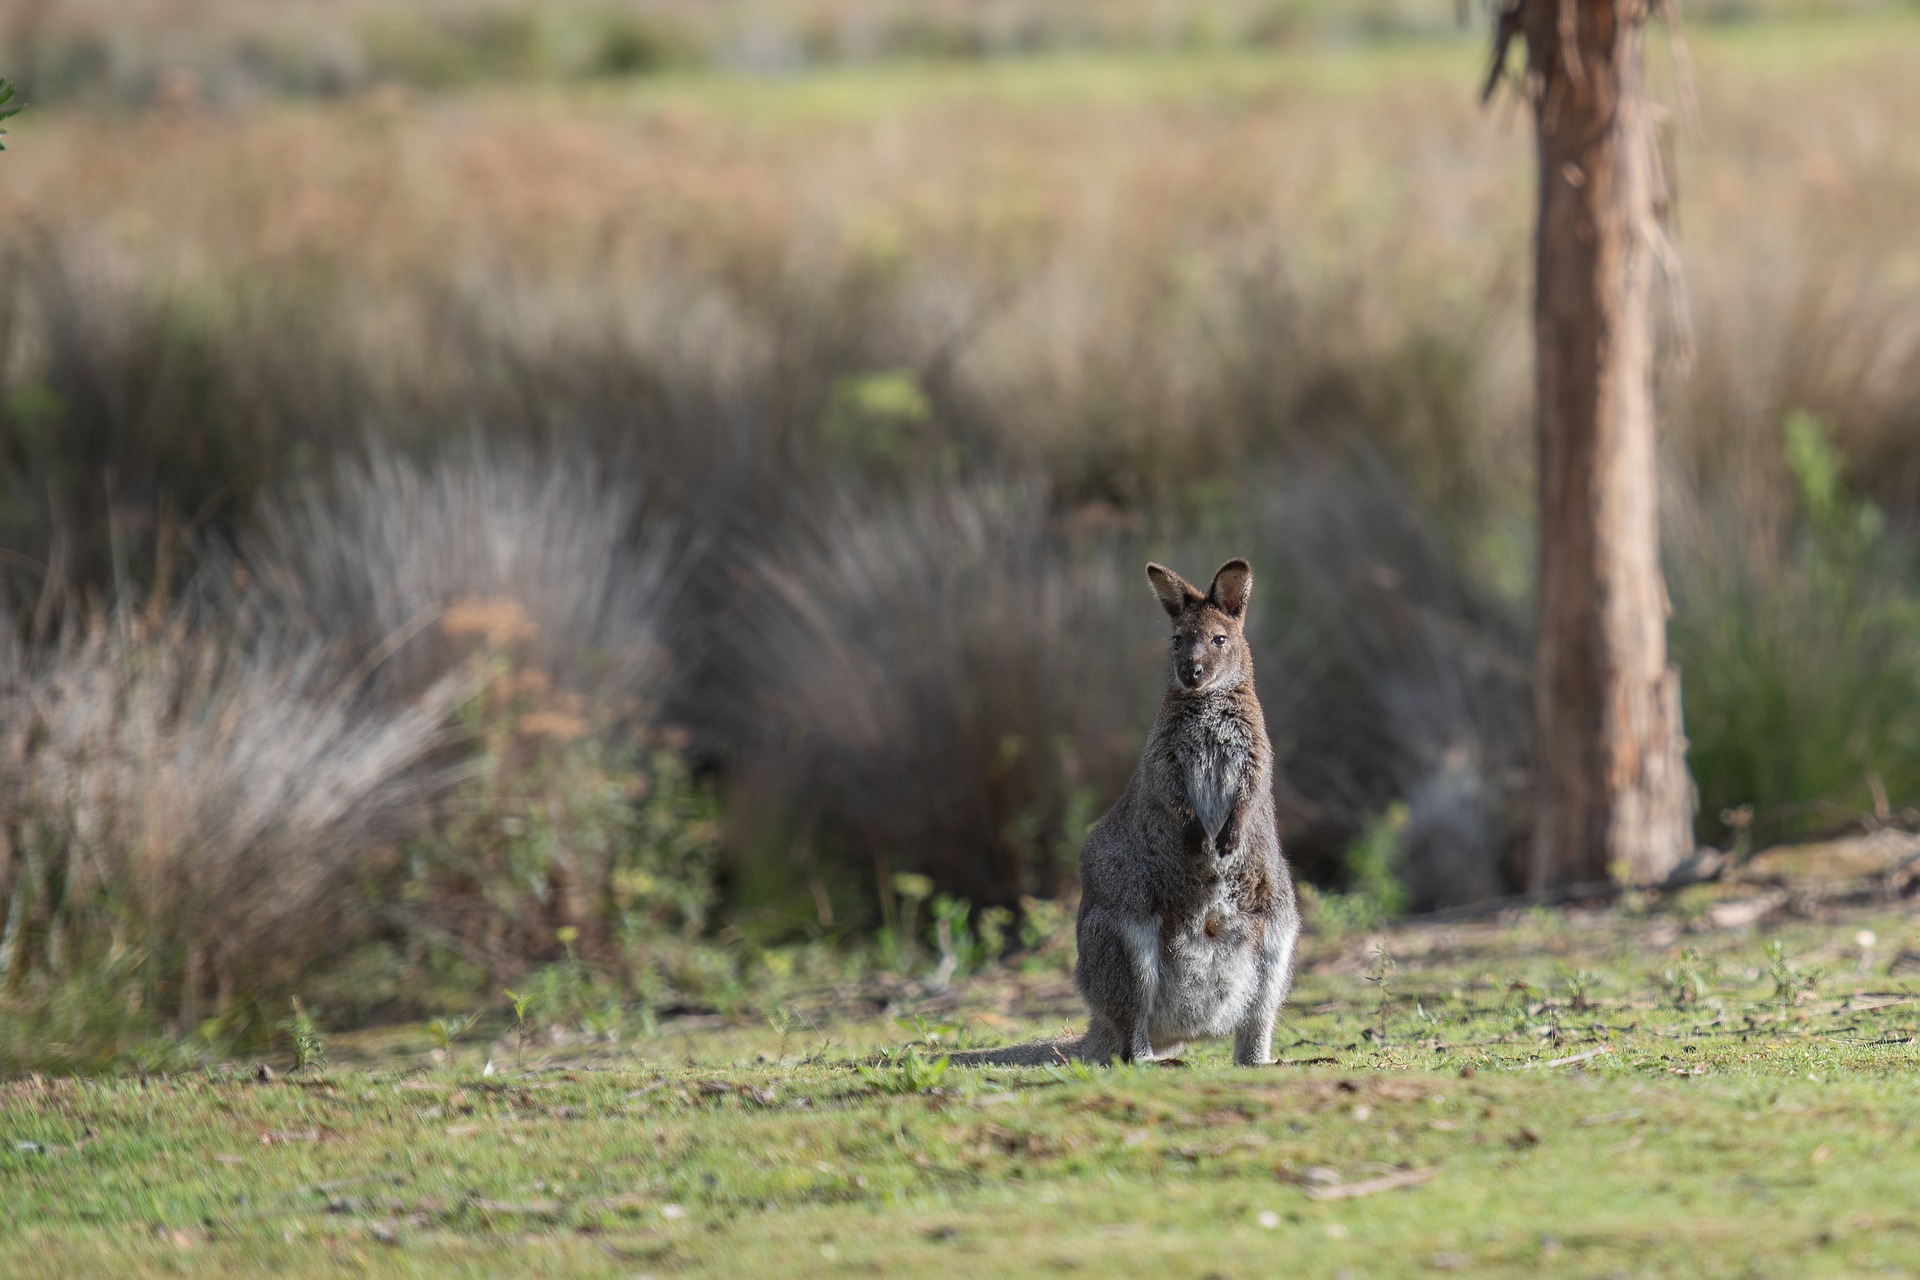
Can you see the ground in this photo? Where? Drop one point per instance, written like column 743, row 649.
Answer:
column 1648, row 1089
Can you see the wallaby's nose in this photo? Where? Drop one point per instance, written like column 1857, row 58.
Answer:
column 1190, row 673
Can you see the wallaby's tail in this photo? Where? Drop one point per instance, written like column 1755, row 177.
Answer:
column 1037, row 1053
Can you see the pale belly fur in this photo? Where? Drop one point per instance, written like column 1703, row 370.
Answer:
column 1206, row 973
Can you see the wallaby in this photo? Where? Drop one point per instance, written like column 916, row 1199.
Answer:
column 1187, row 916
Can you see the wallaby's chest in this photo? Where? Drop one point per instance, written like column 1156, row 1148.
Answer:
column 1212, row 754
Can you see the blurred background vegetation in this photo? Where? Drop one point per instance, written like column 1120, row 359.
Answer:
column 649, row 498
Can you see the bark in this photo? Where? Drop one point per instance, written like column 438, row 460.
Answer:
column 1613, row 795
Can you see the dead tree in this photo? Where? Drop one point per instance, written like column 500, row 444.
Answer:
column 1613, row 797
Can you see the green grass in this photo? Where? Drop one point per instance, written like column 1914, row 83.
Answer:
column 1585, row 1094
column 1066, row 81
column 1794, row 48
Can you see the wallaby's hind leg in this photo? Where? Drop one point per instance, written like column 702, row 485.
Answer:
column 1253, row 1038
column 1101, row 1044
column 1118, row 975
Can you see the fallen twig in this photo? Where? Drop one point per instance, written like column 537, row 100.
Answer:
column 1572, row 1058
column 1372, row 1186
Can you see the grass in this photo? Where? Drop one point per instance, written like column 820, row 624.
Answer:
column 1791, row 49
column 1582, row 1093
column 1060, row 81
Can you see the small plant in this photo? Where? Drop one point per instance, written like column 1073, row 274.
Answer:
column 524, row 1003
column 563, row 811
column 309, row 1051
column 444, row 1031
column 1335, row 915
column 1789, row 984
column 1074, row 1071
column 569, row 990
column 6, row 112
column 906, row 1072
column 1380, row 975
column 1688, row 979
column 1046, row 934
column 900, row 897
column 967, row 942
column 1375, row 893
column 784, row 1019
column 603, row 1023
column 1802, row 648
column 1785, row 982
column 1373, row 863
column 1526, row 1002
column 1580, row 984
column 931, row 1033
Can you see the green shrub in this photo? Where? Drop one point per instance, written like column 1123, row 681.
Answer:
column 1799, row 647
column 6, row 112
column 563, row 845
column 1375, row 892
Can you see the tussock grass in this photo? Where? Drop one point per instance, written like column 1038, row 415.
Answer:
column 960, row 649
column 187, row 814
column 1396, row 677
column 492, row 545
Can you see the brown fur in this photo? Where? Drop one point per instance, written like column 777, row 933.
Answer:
column 1187, row 916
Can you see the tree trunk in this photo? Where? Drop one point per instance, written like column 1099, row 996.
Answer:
column 1614, row 798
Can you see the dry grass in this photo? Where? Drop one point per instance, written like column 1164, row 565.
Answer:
column 491, row 546
column 187, row 814
column 1202, row 304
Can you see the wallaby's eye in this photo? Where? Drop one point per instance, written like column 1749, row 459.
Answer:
column 1219, row 642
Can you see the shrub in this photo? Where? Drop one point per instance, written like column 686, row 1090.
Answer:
column 1391, row 675
column 186, row 807
column 940, row 684
column 352, row 762
column 1799, row 644
column 566, row 839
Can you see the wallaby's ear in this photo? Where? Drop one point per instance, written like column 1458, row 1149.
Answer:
column 1175, row 592
column 1232, row 587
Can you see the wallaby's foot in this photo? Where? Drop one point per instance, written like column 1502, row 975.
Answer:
column 1253, row 1041
column 1169, row 1056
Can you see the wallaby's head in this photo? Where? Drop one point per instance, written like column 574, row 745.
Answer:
column 1209, row 638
